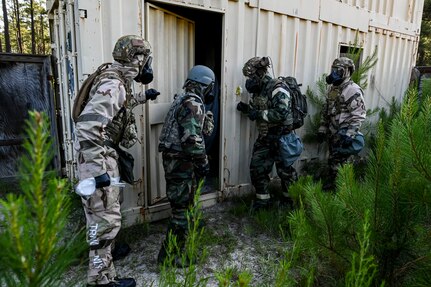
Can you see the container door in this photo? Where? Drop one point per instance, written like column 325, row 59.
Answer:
column 172, row 38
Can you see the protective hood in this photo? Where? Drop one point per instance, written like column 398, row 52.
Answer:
column 129, row 72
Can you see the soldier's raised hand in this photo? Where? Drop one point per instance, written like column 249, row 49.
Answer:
column 243, row 107
column 151, row 94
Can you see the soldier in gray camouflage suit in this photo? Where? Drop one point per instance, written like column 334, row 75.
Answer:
column 342, row 117
column 105, row 122
column 183, row 150
column 270, row 107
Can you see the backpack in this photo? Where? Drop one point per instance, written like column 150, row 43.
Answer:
column 299, row 101
column 81, row 98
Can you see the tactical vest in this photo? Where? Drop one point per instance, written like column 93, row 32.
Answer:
column 262, row 101
column 169, row 138
column 340, row 103
column 122, row 129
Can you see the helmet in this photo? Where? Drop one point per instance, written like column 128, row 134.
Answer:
column 202, row 79
column 342, row 68
column 202, row 75
column 256, row 66
column 344, row 62
column 128, row 47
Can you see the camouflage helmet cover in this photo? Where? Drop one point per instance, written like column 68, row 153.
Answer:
column 256, row 66
column 344, row 62
column 127, row 47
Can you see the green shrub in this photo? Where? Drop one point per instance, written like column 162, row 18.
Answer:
column 395, row 192
column 34, row 248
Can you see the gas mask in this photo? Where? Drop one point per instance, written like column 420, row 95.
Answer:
column 145, row 75
column 253, row 85
column 337, row 76
column 209, row 94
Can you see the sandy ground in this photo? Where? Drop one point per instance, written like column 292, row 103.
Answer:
column 235, row 242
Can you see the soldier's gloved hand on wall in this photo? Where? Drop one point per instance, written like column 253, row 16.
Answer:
column 102, row 180
column 253, row 114
column 201, row 168
column 151, row 94
column 243, row 107
column 249, row 111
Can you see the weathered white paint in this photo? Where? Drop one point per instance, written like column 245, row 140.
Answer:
column 302, row 37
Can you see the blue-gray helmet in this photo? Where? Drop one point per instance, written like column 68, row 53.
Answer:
column 203, row 75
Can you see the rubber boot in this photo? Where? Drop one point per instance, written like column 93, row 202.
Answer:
column 119, row 282
column 121, row 250
column 179, row 233
column 260, row 204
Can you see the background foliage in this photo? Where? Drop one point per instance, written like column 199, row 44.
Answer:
column 19, row 24
column 34, row 248
column 424, row 52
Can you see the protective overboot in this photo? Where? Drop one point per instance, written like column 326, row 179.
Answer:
column 177, row 260
column 286, row 203
column 120, row 250
column 259, row 205
column 163, row 253
column 119, row 282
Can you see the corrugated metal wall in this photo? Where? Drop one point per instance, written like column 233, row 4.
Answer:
column 301, row 37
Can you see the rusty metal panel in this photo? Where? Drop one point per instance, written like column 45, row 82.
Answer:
column 303, row 9
column 101, row 23
column 347, row 15
column 208, row 5
column 24, row 86
column 390, row 77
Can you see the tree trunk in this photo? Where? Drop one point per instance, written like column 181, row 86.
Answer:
column 18, row 27
column 6, row 28
column 42, row 37
column 33, row 40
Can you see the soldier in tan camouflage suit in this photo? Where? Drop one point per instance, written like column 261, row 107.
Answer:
column 183, row 150
column 105, row 122
column 342, row 117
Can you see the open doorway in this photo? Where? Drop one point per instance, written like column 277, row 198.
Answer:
column 207, row 51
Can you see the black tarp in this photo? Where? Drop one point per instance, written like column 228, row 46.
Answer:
column 24, row 86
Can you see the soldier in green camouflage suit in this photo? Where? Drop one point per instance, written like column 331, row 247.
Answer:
column 270, row 107
column 105, row 122
column 183, row 150
column 342, row 117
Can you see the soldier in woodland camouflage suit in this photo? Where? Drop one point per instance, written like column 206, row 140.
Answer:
column 270, row 107
column 183, row 150
column 105, row 122
column 342, row 117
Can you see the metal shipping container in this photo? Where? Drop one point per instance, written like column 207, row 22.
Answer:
column 302, row 37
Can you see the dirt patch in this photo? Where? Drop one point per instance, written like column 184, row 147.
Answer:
column 232, row 241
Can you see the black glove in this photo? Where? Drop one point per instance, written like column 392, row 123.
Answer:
column 201, row 168
column 252, row 114
column 243, row 107
column 346, row 141
column 151, row 94
column 102, row 180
